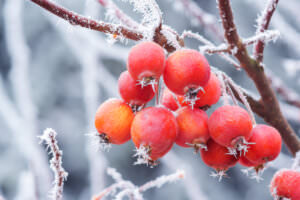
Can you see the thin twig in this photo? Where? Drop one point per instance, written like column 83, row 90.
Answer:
column 209, row 43
column 76, row 19
column 132, row 191
column 113, row 9
column 263, row 23
column 60, row 175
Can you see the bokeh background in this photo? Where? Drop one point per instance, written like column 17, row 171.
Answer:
column 55, row 75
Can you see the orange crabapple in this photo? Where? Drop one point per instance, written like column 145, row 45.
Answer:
column 193, row 128
column 187, row 71
column 286, row 184
column 154, row 131
column 133, row 93
column 231, row 126
column 217, row 157
column 113, row 121
column 266, row 144
column 146, row 63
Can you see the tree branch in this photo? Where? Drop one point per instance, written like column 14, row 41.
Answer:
column 119, row 30
column 76, row 19
column 255, row 70
column 263, row 24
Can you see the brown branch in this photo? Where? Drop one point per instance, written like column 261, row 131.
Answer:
column 76, row 19
column 263, row 24
column 272, row 113
column 118, row 30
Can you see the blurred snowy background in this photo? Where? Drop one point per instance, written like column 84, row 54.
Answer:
column 55, row 75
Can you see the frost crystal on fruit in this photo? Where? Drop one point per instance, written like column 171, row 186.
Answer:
column 218, row 174
column 142, row 154
column 99, row 141
column 148, row 81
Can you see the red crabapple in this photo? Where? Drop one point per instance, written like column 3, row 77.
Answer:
column 193, row 128
column 146, row 63
column 169, row 101
column 133, row 93
column 266, row 144
column 286, row 184
column 245, row 162
column 217, row 157
column 230, row 126
column 186, row 72
column 153, row 131
column 210, row 94
column 113, row 121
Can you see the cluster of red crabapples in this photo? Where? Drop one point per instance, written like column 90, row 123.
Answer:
column 223, row 139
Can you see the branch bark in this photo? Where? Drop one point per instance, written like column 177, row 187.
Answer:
column 271, row 113
column 118, row 30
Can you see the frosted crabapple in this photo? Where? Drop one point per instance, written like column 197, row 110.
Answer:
column 133, row 93
column 266, row 144
column 230, row 126
column 210, row 94
column 146, row 62
column 113, row 121
column 286, row 184
column 193, row 128
column 217, row 157
column 168, row 100
column 153, row 131
column 186, row 72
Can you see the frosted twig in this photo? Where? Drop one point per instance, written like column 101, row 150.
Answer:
column 209, row 44
column 255, row 104
column 76, row 19
column 158, row 13
column 242, row 97
column 114, row 174
column 199, row 16
column 162, row 180
column 134, row 192
column 223, row 86
column 60, row 175
column 262, row 25
column 266, row 36
column 114, row 11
